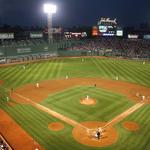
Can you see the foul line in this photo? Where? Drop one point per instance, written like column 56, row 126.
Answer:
column 124, row 114
column 51, row 112
column 75, row 123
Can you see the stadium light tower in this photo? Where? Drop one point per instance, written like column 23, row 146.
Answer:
column 50, row 9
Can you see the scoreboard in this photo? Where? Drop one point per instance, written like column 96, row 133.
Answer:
column 107, row 27
column 70, row 35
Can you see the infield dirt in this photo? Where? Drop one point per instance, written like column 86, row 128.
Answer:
column 51, row 86
column 131, row 126
column 108, row 137
column 56, row 126
column 33, row 95
column 88, row 101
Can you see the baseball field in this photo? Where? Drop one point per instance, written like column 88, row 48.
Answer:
column 59, row 104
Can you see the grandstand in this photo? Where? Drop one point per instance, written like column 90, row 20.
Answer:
column 115, row 47
column 32, row 49
column 3, row 144
column 16, row 51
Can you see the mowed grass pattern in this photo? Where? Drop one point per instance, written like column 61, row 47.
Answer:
column 36, row 122
column 127, row 70
column 136, row 140
column 66, row 102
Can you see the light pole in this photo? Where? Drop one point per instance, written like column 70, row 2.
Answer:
column 50, row 9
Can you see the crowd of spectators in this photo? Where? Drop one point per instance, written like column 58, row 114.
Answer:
column 132, row 48
column 3, row 144
column 13, row 43
column 114, row 46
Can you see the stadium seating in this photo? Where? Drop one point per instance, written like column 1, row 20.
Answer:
column 26, row 50
column 115, row 47
column 3, row 144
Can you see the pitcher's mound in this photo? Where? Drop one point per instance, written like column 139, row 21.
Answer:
column 88, row 101
column 56, row 126
column 87, row 137
column 131, row 126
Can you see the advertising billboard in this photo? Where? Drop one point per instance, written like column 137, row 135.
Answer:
column 107, row 27
column 133, row 36
column 75, row 34
column 95, row 31
column 6, row 36
column 107, row 30
column 23, row 50
column 36, row 35
column 147, row 37
column 102, row 29
column 119, row 32
column 54, row 30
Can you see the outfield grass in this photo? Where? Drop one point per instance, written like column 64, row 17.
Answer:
column 127, row 70
column 66, row 102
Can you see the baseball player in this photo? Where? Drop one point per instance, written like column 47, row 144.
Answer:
column 37, row 85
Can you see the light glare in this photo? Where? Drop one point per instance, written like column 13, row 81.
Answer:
column 50, row 8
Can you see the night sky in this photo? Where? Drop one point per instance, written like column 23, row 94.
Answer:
column 74, row 12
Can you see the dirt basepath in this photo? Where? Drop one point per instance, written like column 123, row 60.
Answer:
column 32, row 95
column 124, row 114
column 15, row 135
column 49, row 111
column 51, row 86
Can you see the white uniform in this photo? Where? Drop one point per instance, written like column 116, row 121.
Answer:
column 96, row 135
column 87, row 97
column 37, row 85
column 100, row 129
column 143, row 98
column 7, row 98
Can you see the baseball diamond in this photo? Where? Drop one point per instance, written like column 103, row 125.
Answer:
column 70, row 104
column 74, row 75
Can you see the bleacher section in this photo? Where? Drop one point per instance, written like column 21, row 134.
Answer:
column 15, row 48
column 3, row 144
column 16, row 51
column 115, row 47
column 27, row 50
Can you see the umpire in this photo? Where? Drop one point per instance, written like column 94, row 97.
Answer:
column 98, row 135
